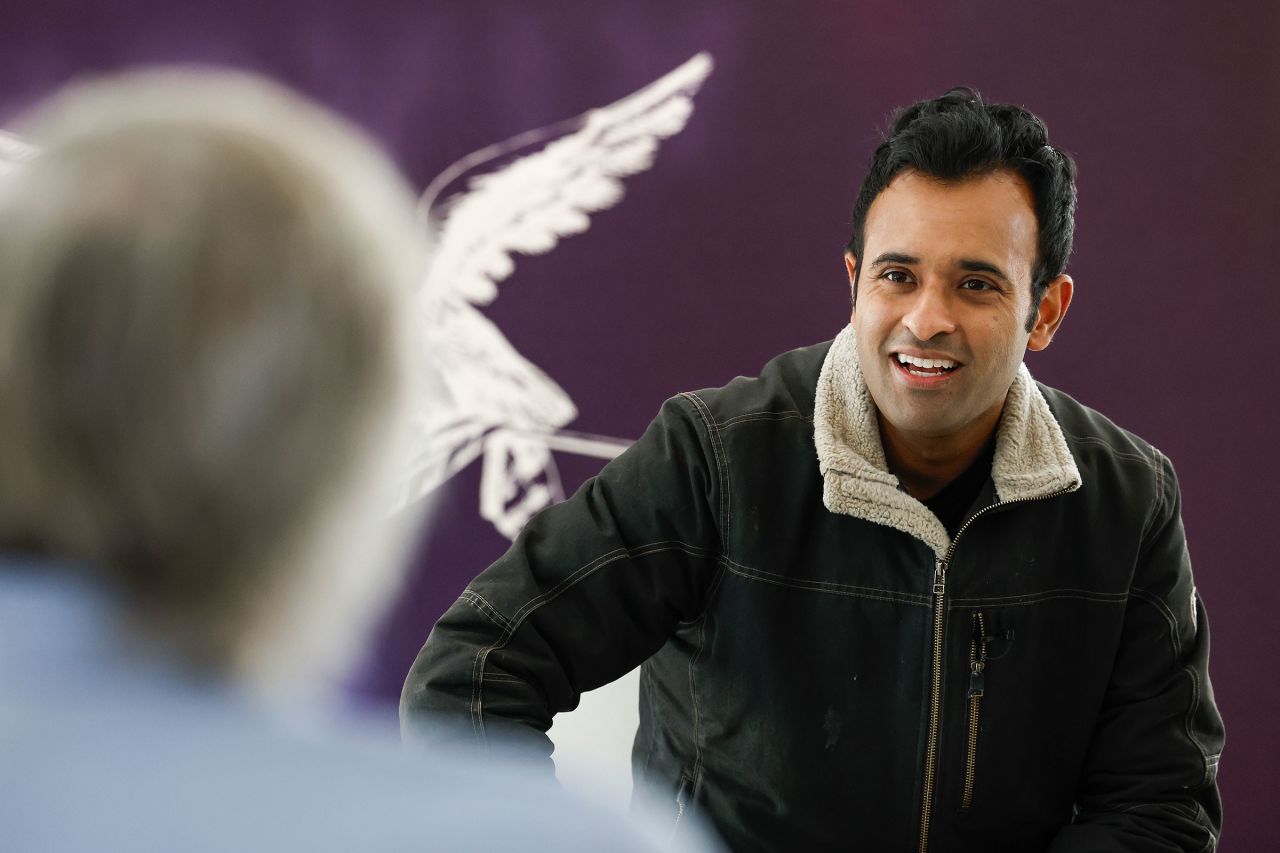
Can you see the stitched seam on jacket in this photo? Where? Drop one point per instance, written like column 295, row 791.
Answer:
column 826, row 586
column 1155, row 601
column 1182, row 808
column 578, row 575
column 1112, row 449
column 764, row 416
column 1158, row 502
column 482, row 604
column 584, row 571
column 1176, row 646
column 1202, row 819
column 722, row 461
column 477, row 695
column 693, row 691
column 1044, row 595
column 477, row 668
column 1186, row 722
column 1157, row 466
column 1192, row 812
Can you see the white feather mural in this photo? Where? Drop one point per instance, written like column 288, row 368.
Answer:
column 479, row 396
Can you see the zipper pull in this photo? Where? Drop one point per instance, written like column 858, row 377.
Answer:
column 939, row 579
column 977, row 679
column 978, row 657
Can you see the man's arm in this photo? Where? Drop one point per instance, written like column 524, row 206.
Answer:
column 590, row 589
column 1150, row 782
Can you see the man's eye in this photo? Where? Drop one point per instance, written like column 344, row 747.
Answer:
column 977, row 284
column 896, row 276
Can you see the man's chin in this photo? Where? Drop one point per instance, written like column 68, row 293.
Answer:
column 937, row 422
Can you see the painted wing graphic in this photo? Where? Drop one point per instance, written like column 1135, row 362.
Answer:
column 530, row 204
column 521, row 196
column 13, row 152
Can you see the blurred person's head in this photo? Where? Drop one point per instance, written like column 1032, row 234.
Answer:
column 202, row 286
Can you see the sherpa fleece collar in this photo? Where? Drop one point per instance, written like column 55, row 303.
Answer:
column 1031, row 460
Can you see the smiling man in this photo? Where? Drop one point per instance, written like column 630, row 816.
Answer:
column 946, row 313
column 968, row 624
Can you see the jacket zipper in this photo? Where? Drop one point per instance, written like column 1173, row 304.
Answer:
column 935, row 692
column 977, row 687
column 935, row 695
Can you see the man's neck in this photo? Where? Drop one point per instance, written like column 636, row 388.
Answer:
column 925, row 465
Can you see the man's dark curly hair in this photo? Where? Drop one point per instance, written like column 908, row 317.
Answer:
column 957, row 136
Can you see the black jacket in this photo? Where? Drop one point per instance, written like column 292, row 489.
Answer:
column 824, row 667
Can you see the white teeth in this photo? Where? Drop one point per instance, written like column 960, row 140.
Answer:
column 926, row 362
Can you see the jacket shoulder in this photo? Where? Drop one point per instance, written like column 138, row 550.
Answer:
column 785, row 387
column 1099, row 444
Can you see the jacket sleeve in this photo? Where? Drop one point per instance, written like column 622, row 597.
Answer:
column 1150, row 782
column 590, row 589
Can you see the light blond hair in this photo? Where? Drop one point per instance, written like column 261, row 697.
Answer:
column 203, row 282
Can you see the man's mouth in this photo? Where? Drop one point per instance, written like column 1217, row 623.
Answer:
column 925, row 367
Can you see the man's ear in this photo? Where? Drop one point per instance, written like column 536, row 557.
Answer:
column 1053, row 307
column 851, row 266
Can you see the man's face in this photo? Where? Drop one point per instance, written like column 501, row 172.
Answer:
column 946, row 278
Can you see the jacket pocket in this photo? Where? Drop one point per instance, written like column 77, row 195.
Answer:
column 977, row 689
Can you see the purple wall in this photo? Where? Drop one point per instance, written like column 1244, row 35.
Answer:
column 728, row 251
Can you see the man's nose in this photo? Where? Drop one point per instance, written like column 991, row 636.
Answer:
column 930, row 313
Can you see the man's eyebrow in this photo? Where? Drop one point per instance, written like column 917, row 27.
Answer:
column 969, row 265
column 895, row 258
